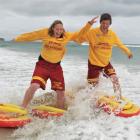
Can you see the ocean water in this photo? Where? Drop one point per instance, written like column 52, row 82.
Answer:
column 82, row 121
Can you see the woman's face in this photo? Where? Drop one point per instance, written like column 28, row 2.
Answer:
column 58, row 30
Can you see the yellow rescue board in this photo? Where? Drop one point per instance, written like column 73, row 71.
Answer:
column 122, row 108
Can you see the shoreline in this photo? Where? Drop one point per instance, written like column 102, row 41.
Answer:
column 5, row 133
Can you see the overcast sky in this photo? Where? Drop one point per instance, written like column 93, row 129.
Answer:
column 19, row 16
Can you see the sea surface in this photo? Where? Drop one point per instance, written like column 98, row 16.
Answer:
column 82, row 121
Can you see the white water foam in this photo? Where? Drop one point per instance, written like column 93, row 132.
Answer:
column 82, row 121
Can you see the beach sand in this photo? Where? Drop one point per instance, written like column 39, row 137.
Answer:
column 5, row 133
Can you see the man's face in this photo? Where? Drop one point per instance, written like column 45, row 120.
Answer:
column 105, row 25
column 58, row 30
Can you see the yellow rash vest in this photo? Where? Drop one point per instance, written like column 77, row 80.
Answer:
column 53, row 48
column 100, row 45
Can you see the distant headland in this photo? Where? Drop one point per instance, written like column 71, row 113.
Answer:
column 2, row 39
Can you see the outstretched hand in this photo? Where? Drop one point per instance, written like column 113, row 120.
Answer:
column 130, row 56
column 94, row 20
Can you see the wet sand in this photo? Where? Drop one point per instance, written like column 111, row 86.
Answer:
column 5, row 133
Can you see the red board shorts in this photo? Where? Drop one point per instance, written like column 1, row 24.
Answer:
column 94, row 72
column 45, row 70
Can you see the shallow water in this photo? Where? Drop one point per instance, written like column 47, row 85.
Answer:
column 81, row 122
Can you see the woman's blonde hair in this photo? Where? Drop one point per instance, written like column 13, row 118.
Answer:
column 50, row 30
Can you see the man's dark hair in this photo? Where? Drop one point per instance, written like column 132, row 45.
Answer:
column 106, row 16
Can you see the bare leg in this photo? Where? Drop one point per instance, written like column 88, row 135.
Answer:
column 60, row 99
column 29, row 94
column 116, row 85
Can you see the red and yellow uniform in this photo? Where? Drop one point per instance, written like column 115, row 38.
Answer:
column 53, row 48
column 51, row 54
column 100, row 49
